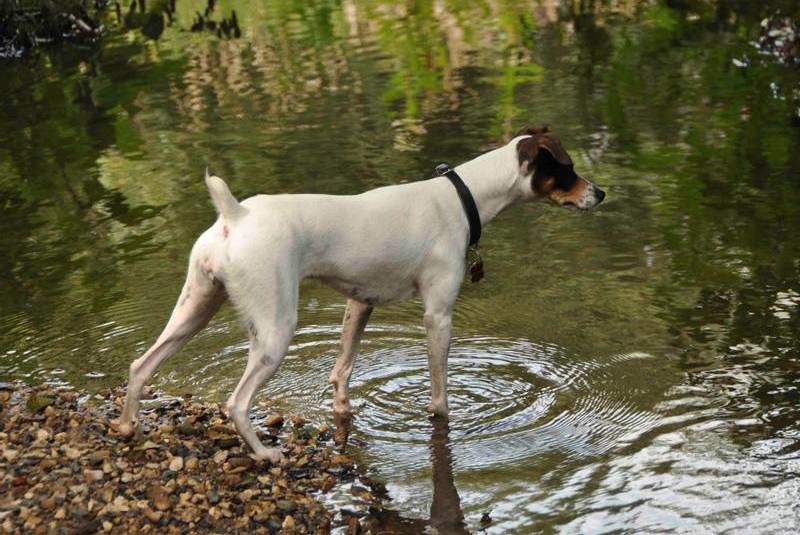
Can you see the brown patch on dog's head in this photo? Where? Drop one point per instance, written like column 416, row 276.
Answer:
column 542, row 140
column 553, row 173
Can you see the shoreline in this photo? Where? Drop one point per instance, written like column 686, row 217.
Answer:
column 65, row 469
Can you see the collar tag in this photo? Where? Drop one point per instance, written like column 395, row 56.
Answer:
column 475, row 262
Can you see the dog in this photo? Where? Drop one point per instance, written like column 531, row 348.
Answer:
column 379, row 247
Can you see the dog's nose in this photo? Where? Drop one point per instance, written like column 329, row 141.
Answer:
column 600, row 194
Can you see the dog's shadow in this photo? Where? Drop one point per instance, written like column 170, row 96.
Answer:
column 445, row 513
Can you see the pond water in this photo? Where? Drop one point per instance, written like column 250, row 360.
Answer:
column 630, row 369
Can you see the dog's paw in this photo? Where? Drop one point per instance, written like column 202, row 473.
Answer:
column 273, row 455
column 124, row 429
column 342, row 409
column 437, row 409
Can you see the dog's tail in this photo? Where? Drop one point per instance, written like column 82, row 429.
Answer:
column 224, row 201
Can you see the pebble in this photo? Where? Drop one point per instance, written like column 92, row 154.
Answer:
column 241, row 462
column 339, row 458
column 93, row 475
column 274, row 420
column 486, row 520
column 158, row 496
column 297, row 421
column 361, row 493
column 176, row 464
column 97, row 458
column 153, row 516
column 227, row 443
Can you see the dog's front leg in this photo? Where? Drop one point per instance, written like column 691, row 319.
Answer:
column 439, row 289
column 356, row 315
column 439, row 329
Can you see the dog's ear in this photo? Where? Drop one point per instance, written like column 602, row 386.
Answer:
column 542, row 145
column 529, row 130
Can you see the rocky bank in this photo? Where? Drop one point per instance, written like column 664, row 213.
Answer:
column 65, row 470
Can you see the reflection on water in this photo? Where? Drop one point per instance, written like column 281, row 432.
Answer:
column 634, row 368
column 445, row 512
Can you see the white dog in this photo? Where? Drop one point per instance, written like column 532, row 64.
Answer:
column 378, row 247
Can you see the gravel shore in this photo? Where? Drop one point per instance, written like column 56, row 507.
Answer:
column 64, row 470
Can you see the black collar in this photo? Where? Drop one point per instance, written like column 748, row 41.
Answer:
column 467, row 201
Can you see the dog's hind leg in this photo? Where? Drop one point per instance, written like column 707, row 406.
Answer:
column 271, row 317
column 356, row 316
column 200, row 299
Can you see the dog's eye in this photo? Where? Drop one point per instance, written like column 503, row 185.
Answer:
column 565, row 178
column 543, row 183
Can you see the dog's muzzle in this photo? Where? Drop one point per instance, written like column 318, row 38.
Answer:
column 592, row 196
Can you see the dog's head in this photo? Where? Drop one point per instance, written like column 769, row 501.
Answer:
column 553, row 177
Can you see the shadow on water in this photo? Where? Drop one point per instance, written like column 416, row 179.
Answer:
column 445, row 511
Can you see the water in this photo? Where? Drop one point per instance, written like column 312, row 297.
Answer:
column 632, row 369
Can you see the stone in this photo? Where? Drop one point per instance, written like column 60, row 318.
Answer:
column 186, row 430
column 120, row 505
column 338, row 458
column 159, row 498
column 37, row 403
column 97, row 458
column 287, row 506
column 93, row 475
column 274, row 420
column 361, row 493
column 153, row 516
column 176, row 464
column 227, row 443
column 220, row 456
column 241, row 462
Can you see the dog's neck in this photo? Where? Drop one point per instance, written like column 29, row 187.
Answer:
column 493, row 178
